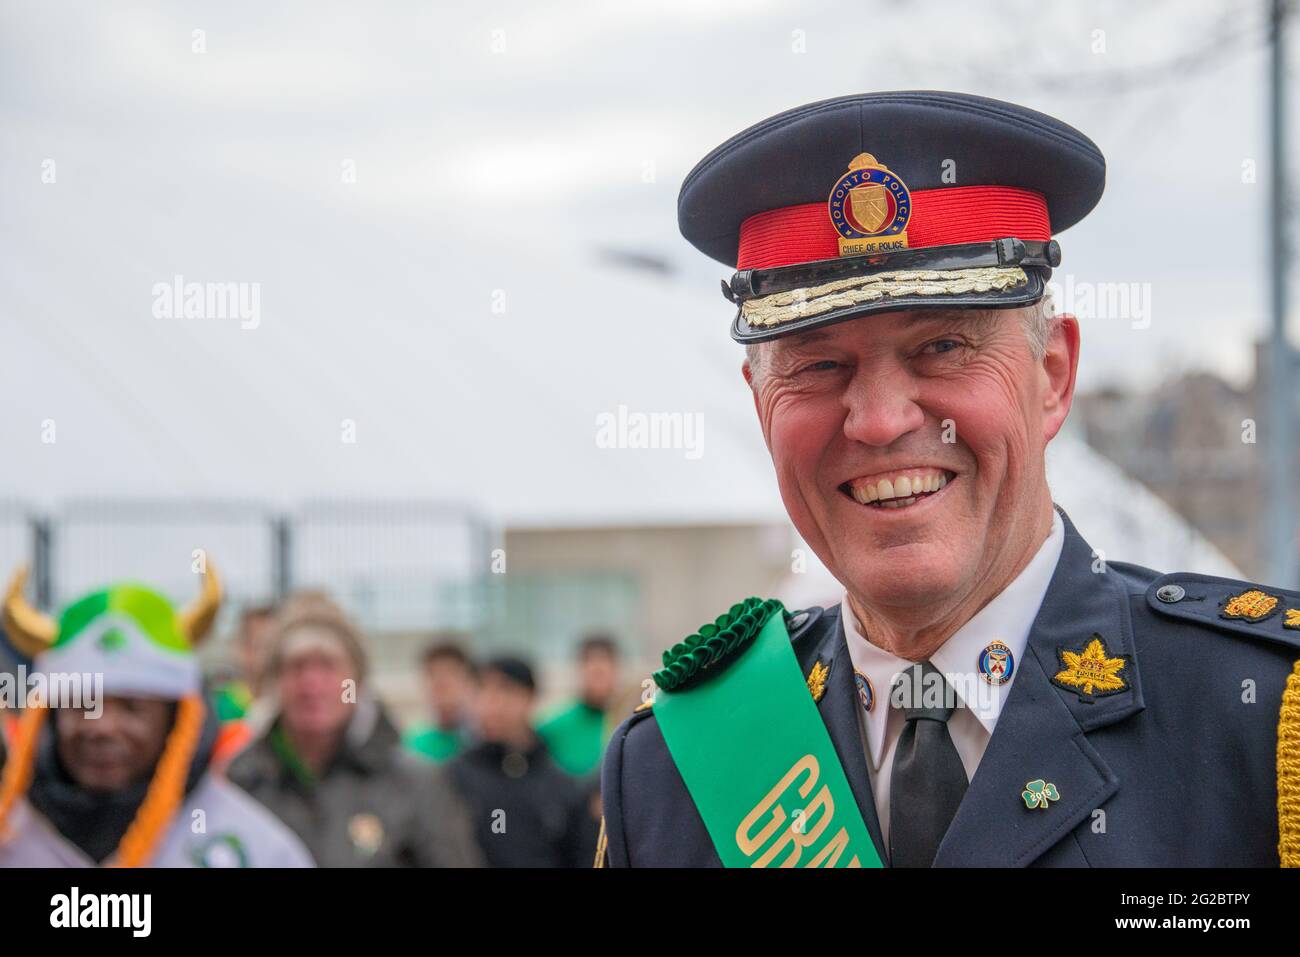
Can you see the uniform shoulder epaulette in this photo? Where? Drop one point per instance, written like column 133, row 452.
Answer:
column 1260, row 612
column 638, row 715
column 1229, row 605
column 801, row 622
column 705, row 653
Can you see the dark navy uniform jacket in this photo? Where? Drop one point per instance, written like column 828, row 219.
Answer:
column 1177, row 769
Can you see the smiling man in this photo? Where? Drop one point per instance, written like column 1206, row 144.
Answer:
column 991, row 691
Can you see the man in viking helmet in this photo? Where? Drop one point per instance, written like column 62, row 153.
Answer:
column 124, row 780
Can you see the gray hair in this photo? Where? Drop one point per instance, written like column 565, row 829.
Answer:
column 1039, row 320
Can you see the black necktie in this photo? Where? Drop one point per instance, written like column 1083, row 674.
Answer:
column 927, row 781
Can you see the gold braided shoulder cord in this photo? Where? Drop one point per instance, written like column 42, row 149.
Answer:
column 602, row 844
column 1288, row 772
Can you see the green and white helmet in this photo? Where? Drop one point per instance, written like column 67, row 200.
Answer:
column 129, row 633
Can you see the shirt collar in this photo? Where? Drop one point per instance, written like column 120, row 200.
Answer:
column 1008, row 619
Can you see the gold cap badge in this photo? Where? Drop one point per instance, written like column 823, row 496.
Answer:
column 870, row 207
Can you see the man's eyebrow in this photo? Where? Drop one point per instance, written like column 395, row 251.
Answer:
column 946, row 315
column 981, row 318
column 804, row 338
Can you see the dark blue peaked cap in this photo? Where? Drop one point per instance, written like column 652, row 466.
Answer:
column 903, row 143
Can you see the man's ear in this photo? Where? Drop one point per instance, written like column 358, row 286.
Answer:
column 1060, row 366
column 748, row 373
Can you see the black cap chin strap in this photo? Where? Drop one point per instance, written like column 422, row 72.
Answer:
column 753, row 283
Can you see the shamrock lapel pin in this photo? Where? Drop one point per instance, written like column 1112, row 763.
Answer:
column 1038, row 793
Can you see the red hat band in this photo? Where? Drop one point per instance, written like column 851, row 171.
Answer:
column 939, row 217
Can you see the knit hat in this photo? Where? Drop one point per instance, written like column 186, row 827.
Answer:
column 311, row 617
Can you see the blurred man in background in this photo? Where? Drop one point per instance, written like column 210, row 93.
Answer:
column 527, row 812
column 576, row 733
column 123, row 780
column 450, row 682
column 330, row 762
column 256, row 627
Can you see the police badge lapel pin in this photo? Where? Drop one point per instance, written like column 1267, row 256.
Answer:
column 996, row 663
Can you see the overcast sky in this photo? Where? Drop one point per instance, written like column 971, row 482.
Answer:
column 430, row 198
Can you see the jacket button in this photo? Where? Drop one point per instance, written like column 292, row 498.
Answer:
column 1170, row 593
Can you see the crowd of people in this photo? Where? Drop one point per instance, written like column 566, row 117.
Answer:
column 296, row 757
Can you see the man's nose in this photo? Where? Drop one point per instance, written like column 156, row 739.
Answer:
column 106, row 725
column 882, row 408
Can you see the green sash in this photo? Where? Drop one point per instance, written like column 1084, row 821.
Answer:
column 752, row 747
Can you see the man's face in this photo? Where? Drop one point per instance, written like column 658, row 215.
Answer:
column 450, row 689
column 504, row 709
column 312, row 684
column 116, row 749
column 598, row 677
column 956, row 399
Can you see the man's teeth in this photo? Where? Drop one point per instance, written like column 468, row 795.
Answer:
column 899, row 490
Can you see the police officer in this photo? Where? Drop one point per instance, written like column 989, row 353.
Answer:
column 990, row 691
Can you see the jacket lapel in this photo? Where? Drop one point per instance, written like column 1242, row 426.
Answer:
column 1041, row 730
column 839, row 710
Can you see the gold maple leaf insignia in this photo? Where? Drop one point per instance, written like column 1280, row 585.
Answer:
column 817, row 680
column 1092, row 671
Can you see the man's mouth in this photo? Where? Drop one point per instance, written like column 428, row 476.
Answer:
column 899, row 489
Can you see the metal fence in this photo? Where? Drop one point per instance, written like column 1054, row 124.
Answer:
column 403, row 569
column 387, row 562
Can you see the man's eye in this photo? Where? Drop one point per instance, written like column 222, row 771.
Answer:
column 824, row 366
column 944, row 345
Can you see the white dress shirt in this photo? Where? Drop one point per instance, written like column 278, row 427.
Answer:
column 1007, row 618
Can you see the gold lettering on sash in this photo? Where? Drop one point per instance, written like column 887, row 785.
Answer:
column 801, row 832
column 829, row 855
column 748, row 843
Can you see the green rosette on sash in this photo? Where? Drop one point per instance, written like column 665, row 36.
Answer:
column 745, row 733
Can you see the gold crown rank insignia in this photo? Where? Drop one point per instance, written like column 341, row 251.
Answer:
column 869, row 208
column 1253, row 605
